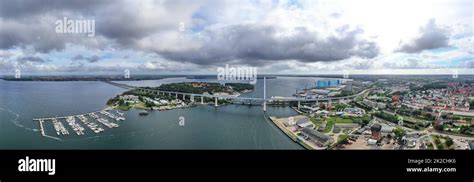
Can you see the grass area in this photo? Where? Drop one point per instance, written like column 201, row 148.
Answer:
column 123, row 107
column 463, row 116
column 140, row 106
column 329, row 124
column 316, row 121
column 429, row 145
column 443, row 143
column 341, row 137
column 415, row 120
column 340, row 120
column 331, row 121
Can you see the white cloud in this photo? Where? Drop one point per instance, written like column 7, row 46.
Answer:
column 145, row 35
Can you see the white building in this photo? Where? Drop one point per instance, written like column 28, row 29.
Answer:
column 130, row 99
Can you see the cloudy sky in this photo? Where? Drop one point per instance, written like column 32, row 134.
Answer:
column 277, row 36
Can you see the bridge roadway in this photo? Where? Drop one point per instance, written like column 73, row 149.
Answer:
column 264, row 100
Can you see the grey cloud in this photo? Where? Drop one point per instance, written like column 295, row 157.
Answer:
column 409, row 63
column 256, row 45
column 10, row 9
column 431, row 37
column 122, row 24
column 31, row 59
column 362, row 65
column 129, row 26
column 91, row 59
column 5, row 66
column 119, row 23
column 40, row 34
column 469, row 64
column 5, row 54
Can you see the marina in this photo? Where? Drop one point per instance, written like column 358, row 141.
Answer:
column 59, row 127
column 92, row 120
column 93, row 126
column 117, row 118
column 107, row 123
column 75, row 126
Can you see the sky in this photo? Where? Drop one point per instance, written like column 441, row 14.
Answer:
column 276, row 36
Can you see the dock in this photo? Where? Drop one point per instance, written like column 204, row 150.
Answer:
column 75, row 126
column 59, row 127
column 93, row 125
column 41, row 127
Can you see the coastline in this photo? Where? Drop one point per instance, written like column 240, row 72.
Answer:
column 289, row 134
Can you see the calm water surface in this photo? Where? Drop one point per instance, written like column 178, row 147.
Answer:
column 206, row 127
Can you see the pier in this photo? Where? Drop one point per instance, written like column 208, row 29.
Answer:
column 94, row 126
column 75, row 126
column 59, row 127
column 41, row 127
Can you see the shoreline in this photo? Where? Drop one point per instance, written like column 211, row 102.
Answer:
column 289, row 134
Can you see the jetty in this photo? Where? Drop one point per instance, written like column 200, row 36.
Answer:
column 93, row 122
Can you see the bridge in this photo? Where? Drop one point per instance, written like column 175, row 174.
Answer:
column 264, row 100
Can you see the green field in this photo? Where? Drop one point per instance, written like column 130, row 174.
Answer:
column 463, row 116
column 340, row 120
column 333, row 120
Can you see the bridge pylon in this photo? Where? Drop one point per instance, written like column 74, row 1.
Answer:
column 264, row 94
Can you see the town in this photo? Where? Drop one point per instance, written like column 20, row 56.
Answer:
column 393, row 114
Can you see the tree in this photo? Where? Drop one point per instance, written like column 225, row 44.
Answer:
column 365, row 121
column 427, row 108
column 439, row 127
column 444, row 116
column 428, row 116
column 399, row 133
column 149, row 104
column 449, row 142
column 463, row 129
column 340, row 107
column 416, row 127
column 416, row 113
column 322, row 106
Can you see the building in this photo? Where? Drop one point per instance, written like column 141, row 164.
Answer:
column 304, row 123
column 395, row 98
column 199, row 85
column 348, row 87
column 381, row 105
column 322, row 112
column 328, row 83
column 376, row 131
column 411, row 143
column 386, row 129
column 308, row 109
column 374, row 104
column 320, row 91
column 317, row 137
column 371, row 141
column 322, row 126
column 354, row 111
column 346, row 125
column 130, row 99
